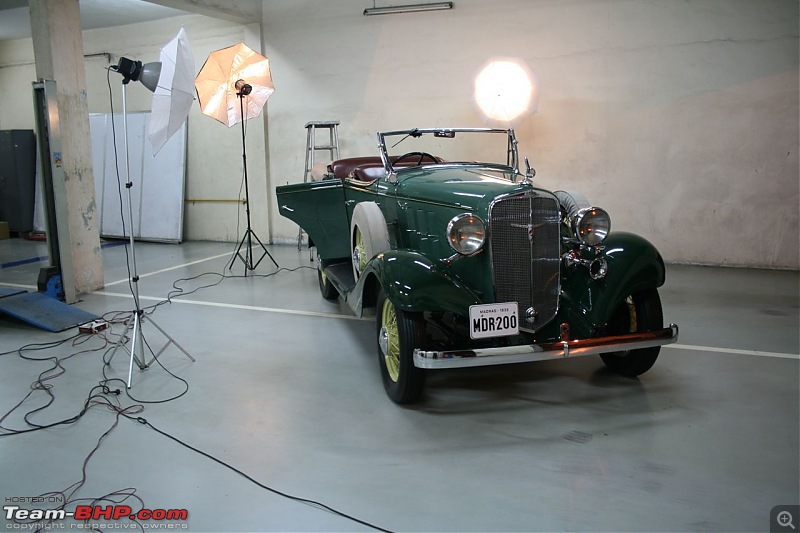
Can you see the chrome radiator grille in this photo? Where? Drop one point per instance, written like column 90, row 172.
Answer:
column 525, row 250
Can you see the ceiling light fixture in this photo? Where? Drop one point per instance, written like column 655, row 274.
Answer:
column 409, row 8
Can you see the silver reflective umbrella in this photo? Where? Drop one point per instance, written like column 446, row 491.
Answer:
column 219, row 84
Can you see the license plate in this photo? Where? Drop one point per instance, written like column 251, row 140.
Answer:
column 493, row 320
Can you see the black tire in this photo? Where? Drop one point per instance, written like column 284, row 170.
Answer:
column 638, row 312
column 326, row 288
column 397, row 336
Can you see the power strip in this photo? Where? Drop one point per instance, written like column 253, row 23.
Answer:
column 95, row 326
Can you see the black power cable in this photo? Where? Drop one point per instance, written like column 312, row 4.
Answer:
column 306, row 501
column 99, row 399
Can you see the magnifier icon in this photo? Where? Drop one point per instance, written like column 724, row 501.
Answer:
column 785, row 519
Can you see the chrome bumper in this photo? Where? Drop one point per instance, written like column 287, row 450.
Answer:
column 541, row 352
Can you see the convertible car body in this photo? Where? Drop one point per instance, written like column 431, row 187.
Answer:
column 467, row 262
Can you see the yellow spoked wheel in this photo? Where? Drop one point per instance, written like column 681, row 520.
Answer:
column 359, row 252
column 369, row 236
column 389, row 340
column 327, row 289
column 399, row 333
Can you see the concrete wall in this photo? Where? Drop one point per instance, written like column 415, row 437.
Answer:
column 681, row 118
column 214, row 154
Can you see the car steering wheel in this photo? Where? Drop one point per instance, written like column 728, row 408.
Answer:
column 422, row 156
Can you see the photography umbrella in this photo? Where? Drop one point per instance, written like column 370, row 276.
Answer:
column 228, row 78
column 217, row 89
column 174, row 94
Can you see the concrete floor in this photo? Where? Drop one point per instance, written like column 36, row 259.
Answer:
column 286, row 388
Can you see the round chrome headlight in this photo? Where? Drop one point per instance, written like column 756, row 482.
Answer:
column 592, row 225
column 466, row 233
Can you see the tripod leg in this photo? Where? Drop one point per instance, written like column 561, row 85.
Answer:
column 266, row 252
column 121, row 341
column 136, row 334
column 239, row 255
column 170, row 340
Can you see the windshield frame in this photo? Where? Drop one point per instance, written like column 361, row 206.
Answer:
column 512, row 159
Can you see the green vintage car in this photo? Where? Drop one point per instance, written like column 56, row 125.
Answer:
column 469, row 263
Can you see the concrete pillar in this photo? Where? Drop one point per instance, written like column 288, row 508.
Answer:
column 58, row 51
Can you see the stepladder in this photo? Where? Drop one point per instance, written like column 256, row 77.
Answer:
column 330, row 144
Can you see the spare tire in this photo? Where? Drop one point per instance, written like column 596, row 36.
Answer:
column 368, row 235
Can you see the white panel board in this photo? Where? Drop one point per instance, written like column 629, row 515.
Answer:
column 158, row 181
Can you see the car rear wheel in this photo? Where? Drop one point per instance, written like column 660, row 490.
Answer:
column 638, row 312
column 398, row 334
column 369, row 235
column 326, row 288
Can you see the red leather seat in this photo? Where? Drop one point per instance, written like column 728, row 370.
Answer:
column 342, row 168
column 367, row 169
column 368, row 172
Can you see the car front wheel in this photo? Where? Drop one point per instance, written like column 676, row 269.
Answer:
column 398, row 334
column 638, row 312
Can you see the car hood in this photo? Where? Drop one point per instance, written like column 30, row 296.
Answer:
column 468, row 187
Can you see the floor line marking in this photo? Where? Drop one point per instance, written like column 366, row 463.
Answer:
column 125, row 280
column 28, row 261
column 19, row 286
column 42, row 258
column 236, row 306
column 733, row 350
column 352, row 317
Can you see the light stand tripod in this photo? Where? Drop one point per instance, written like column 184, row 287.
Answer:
column 243, row 89
column 138, row 319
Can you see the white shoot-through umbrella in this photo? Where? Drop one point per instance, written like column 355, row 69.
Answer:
column 174, row 96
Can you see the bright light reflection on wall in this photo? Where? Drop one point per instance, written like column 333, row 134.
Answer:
column 505, row 91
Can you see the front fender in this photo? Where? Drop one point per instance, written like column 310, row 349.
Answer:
column 634, row 265
column 413, row 283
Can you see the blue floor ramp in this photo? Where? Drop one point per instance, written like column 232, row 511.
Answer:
column 41, row 311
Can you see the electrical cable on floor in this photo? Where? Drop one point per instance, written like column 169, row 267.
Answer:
column 67, row 495
column 298, row 499
column 99, row 399
column 179, row 292
column 42, row 382
column 107, row 380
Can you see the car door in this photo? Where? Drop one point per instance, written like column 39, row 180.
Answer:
column 319, row 209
